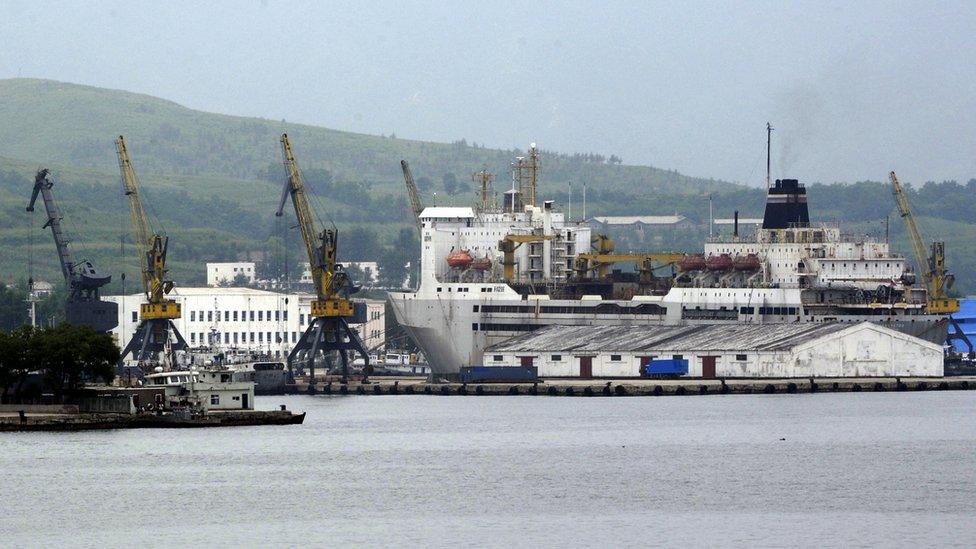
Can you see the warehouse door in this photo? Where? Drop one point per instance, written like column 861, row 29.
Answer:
column 708, row 367
column 244, row 401
column 526, row 361
column 586, row 366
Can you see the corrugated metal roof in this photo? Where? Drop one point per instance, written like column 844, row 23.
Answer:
column 711, row 337
column 645, row 219
column 446, row 211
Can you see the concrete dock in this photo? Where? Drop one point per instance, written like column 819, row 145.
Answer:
column 642, row 387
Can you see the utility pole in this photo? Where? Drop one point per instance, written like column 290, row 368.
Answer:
column 769, row 138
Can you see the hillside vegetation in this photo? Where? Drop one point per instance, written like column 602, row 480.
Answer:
column 75, row 125
column 212, row 182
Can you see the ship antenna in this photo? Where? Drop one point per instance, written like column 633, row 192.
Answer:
column 769, row 134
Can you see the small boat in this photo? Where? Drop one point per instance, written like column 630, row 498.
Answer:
column 481, row 264
column 748, row 262
column 722, row 262
column 459, row 259
column 692, row 262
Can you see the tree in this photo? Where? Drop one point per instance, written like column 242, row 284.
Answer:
column 240, row 280
column 393, row 265
column 72, row 355
column 14, row 362
column 450, row 182
column 13, row 308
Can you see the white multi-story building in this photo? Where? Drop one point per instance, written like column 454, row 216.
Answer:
column 371, row 272
column 224, row 273
column 244, row 319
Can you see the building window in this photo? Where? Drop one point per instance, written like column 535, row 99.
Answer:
column 614, row 358
column 284, row 315
column 235, row 338
column 251, row 337
column 260, row 316
column 269, row 337
column 193, row 316
column 226, row 338
column 260, row 337
column 209, row 316
column 193, row 337
column 556, row 358
column 235, row 316
column 277, row 316
column 741, row 357
column 267, row 315
column 250, row 316
column 301, row 318
column 497, row 358
column 226, row 316
column 294, row 336
column 677, row 357
column 135, row 316
column 215, row 400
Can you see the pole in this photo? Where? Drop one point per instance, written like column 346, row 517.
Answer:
column 769, row 134
column 710, row 219
column 570, row 201
column 584, row 201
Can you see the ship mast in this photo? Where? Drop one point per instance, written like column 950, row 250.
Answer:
column 769, row 137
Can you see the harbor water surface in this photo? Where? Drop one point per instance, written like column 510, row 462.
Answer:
column 895, row 469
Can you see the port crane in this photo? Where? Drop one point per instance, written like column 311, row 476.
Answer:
column 331, row 311
column 415, row 203
column 156, row 332
column 84, row 305
column 937, row 279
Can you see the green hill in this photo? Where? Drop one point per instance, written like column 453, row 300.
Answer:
column 213, row 181
column 74, row 125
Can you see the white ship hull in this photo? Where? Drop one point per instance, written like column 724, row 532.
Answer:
column 452, row 334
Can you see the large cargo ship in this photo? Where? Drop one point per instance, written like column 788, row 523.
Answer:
column 489, row 273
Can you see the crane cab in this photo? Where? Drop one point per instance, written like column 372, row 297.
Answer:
column 166, row 309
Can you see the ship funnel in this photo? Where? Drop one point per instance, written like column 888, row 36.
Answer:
column 786, row 205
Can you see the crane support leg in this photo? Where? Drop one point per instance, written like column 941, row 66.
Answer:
column 327, row 335
column 958, row 335
column 150, row 339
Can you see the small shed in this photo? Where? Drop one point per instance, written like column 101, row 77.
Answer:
column 802, row 350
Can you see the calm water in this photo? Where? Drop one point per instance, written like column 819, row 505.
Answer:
column 853, row 470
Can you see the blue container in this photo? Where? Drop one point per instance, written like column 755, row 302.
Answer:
column 499, row 374
column 669, row 367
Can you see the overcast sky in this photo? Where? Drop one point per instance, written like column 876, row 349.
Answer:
column 854, row 89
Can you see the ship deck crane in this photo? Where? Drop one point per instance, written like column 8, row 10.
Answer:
column 156, row 332
column 603, row 258
column 331, row 311
column 84, row 306
column 511, row 242
column 415, row 203
column 937, row 279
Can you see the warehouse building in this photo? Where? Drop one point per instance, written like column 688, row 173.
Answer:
column 727, row 350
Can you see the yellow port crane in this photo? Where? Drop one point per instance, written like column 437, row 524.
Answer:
column 331, row 311
column 413, row 193
column 509, row 244
column 937, row 279
column 156, row 332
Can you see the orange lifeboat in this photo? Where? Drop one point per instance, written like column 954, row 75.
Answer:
column 481, row 264
column 459, row 259
column 746, row 263
column 718, row 262
column 692, row 262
